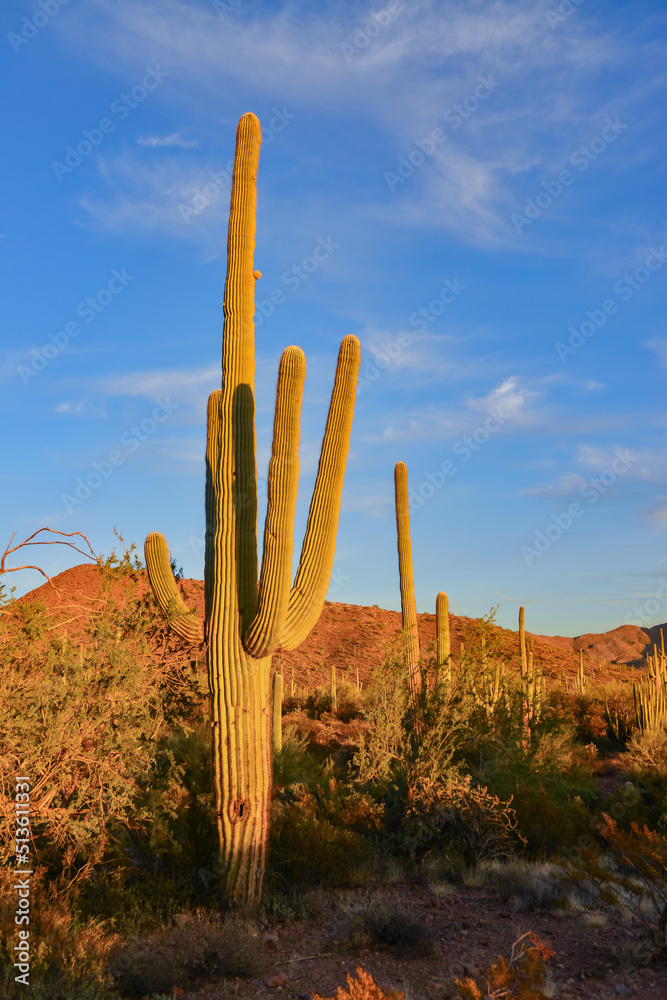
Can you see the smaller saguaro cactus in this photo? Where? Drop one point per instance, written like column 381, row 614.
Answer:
column 650, row 707
column 522, row 641
column 408, row 604
column 334, row 689
column 525, row 682
column 492, row 687
column 444, row 652
column 582, row 679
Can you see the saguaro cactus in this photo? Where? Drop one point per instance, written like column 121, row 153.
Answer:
column 522, row 642
column 444, row 653
column 246, row 622
column 408, row 604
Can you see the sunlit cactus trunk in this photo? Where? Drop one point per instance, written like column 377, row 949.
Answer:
column 407, row 583
column 246, row 621
column 443, row 649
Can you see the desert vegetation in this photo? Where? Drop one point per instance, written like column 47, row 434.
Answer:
column 386, row 809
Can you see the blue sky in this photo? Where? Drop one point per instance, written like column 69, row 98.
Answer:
column 475, row 189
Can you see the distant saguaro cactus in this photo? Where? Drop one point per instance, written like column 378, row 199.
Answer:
column 246, row 621
column 408, row 604
column 444, row 653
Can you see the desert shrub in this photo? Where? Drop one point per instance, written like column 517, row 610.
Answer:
column 295, row 763
column 68, row 956
column 195, row 949
column 362, row 988
column 87, row 723
column 350, row 702
column 523, row 975
column 181, row 842
column 403, row 743
column 554, row 795
column 630, row 882
column 307, row 848
column 389, row 926
column 318, row 703
column 462, row 817
column 647, row 750
column 526, row 886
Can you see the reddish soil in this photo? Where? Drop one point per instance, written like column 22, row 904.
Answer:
column 355, row 637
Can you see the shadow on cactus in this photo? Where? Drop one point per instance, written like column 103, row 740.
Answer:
column 246, row 621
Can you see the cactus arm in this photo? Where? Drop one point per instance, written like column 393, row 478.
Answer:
column 319, row 544
column 408, row 604
column 238, row 348
column 264, row 633
column 182, row 620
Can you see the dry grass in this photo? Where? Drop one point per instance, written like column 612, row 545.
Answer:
column 196, row 949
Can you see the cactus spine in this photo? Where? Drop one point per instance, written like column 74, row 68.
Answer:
column 408, row 604
column 444, row 652
column 246, row 622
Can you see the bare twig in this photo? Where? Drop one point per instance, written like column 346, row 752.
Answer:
column 90, row 554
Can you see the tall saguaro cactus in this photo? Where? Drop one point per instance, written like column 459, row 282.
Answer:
column 408, row 603
column 246, row 621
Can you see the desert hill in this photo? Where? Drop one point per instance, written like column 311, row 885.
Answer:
column 353, row 637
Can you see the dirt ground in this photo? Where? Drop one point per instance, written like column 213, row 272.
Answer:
column 472, row 928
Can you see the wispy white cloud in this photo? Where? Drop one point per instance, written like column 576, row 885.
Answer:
column 509, row 400
column 187, row 387
column 429, row 59
column 175, row 139
column 566, row 485
column 659, row 348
